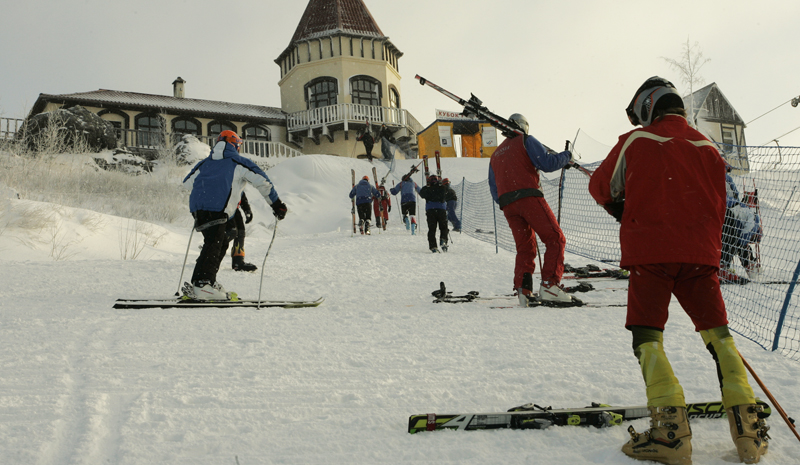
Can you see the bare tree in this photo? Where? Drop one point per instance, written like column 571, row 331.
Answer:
column 688, row 65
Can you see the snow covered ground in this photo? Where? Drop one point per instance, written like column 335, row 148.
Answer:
column 81, row 383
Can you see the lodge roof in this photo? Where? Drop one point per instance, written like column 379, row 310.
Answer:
column 163, row 103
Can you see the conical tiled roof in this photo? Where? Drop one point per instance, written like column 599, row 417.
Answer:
column 325, row 17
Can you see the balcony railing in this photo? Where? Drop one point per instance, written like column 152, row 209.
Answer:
column 154, row 140
column 350, row 113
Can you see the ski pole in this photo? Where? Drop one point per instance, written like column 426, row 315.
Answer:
column 261, row 283
column 183, row 268
column 789, row 421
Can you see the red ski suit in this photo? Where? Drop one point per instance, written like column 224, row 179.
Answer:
column 515, row 186
column 672, row 180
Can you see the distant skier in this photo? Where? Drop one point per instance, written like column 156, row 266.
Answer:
column 382, row 206
column 236, row 233
column 452, row 200
column 435, row 195
column 368, row 140
column 515, row 185
column 408, row 201
column 364, row 193
column 217, row 183
column 387, row 142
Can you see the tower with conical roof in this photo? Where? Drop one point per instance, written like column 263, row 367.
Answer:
column 339, row 73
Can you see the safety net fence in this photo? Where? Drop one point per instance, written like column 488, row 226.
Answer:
column 762, row 234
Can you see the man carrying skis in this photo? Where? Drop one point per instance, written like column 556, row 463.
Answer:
column 452, row 199
column 408, row 201
column 665, row 184
column 435, row 195
column 217, row 183
column 515, row 186
column 387, row 142
column 364, row 192
column 382, row 206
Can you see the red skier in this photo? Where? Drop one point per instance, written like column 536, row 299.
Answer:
column 382, row 206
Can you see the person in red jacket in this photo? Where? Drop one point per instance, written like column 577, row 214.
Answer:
column 665, row 184
column 515, row 186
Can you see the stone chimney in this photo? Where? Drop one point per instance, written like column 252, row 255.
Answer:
column 178, row 87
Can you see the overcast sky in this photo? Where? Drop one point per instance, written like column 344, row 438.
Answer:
column 566, row 65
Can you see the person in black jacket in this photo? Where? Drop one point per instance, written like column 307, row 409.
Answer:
column 452, row 200
column 435, row 195
column 369, row 142
column 236, row 233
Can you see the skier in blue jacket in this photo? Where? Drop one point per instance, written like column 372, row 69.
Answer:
column 217, row 183
column 435, row 195
column 364, row 192
column 408, row 201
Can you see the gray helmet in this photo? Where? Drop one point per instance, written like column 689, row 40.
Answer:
column 655, row 93
column 520, row 121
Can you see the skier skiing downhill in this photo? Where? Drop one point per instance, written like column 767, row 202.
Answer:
column 216, row 185
column 408, row 190
column 515, row 185
column 665, row 184
column 435, row 195
column 364, row 192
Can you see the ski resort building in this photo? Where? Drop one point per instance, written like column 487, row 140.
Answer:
column 478, row 137
column 339, row 76
column 712, row 114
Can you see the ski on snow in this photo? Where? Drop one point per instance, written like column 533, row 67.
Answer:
column 442, row 295
column 532, row 416
column 194, row 303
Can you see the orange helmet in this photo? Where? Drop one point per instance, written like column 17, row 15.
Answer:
column 230, row 137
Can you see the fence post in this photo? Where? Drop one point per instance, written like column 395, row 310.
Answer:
column 789, row 292
column 494, row 216
column 461, row 212
column 561, row 193
column 788, row 201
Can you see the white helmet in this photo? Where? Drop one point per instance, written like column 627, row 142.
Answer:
column 520, row 121
column 655, row 92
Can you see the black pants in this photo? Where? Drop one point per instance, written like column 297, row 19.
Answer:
column 215, row 243
column 364, row 211
column 235, row 231
column 436, row 217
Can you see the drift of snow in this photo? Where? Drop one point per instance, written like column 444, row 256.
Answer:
column 82, row 383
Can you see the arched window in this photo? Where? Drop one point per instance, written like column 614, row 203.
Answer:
column 184, row 125
column 254, row 137
column 365, row 90
column 216, row 127
column 394, row 98
column 149, row 130
column 321, row 92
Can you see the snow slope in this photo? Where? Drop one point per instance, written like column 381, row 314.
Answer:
column 81, row 383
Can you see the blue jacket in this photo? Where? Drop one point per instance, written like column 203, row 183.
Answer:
column 217, row 181
column 364, row 192
column 407, row 188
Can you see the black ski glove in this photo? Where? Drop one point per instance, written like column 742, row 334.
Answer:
column 390, row 208
column 615, row 209
column 248, row 216
column 279, row 209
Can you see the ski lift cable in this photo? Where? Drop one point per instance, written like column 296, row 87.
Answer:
column 782, row 104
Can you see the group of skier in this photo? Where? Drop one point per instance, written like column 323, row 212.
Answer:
column 665, row 183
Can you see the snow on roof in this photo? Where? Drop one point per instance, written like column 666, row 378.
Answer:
column 164, row 103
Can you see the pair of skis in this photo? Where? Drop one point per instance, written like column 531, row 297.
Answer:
column 442, row 295
column 474, row 108
column 532, row 416
column 427, row 171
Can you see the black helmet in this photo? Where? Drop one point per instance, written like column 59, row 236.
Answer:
column 655, row 93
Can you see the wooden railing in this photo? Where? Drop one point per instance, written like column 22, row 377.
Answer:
column 348, row 113
column 9, row 127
